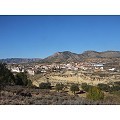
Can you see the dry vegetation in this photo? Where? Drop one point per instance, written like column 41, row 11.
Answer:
column 80, row 77
column 19, row 95
column 19, row 90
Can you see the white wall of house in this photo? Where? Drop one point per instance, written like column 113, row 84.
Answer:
column 15, row 69
column 31, row 72
column 112, row 69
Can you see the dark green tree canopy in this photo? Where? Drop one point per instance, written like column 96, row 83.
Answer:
column 74, row 87
column 104, row 87
column 6, row 76
column 45, row 85
column 85, row 87
column 21, row 79
column 59, row 86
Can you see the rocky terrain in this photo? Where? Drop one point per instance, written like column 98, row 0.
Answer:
column 19, row 95
column 68, row 56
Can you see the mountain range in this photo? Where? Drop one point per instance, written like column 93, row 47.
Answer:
column 20, row 60
column 66, row 56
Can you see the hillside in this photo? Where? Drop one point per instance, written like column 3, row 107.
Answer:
column 67, row 56
column 105, row 54
column 19, row 60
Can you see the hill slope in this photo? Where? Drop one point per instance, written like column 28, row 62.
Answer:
column 19, row 60
column 66, row 56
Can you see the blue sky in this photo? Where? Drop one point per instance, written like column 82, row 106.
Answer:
column 41, row 36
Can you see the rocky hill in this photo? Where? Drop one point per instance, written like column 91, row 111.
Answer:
column 19, row 60
column 105, row 54
column 67, row 56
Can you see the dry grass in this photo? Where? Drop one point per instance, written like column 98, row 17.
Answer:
column 70, row 77
column 11, row 95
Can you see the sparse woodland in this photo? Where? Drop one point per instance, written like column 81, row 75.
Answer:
column 18, row 90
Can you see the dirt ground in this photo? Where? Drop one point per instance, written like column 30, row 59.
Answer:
column 66, row 78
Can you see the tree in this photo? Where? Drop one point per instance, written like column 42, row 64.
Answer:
column 114, row 88
column 117, row 83
column 59, row 86
column 95, row 94
column 74, row 88
column 29, row 83
column 85, row 87
column 104, row 87
column 45, row 85
column 6, row 76
column 21, row 79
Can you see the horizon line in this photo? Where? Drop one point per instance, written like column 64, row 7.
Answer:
column 58, row 52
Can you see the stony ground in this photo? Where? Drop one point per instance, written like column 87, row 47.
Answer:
column 18, row 95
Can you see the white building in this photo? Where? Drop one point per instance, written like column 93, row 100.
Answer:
column 31, row 72
column 112, row 69
column 98, row 65
column 15, row 69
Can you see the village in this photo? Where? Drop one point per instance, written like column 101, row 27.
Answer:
column 89, row 72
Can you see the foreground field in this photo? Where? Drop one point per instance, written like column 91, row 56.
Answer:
column 18, row 95
column 57, row 88
column 68, row 77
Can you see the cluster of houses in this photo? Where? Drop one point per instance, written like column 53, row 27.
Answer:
column 21, row 68
column 33, row 69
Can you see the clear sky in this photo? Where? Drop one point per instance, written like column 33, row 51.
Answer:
column 41, row 36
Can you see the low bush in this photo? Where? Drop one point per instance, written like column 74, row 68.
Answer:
column 45, row 85
column 85, row 87
column 74, row 88
column 104, row 87
column 114, row 88
column 95, row 94
column 59, row 86
column 117, row 83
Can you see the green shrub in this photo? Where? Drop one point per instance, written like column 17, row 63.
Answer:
column 29, row 84
column 59, row 86
column 21, row 79
column 95, row 93
column 117, row 83
column 45, row 85
column 85, row 87
column 6, row 76
column 74, row 88
column 114, row 88
column 104, row 87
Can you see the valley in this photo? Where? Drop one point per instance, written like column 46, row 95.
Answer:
column 58, row 73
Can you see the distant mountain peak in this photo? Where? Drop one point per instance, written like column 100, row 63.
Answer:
column 90, row 51
column 67, row 56
column 63, row 52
